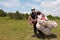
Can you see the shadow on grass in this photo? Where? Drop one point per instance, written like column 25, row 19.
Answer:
column 43, row 37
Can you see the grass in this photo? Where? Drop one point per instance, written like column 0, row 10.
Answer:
column 20, row 30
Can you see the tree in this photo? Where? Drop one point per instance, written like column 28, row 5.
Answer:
column 2, row 13
column 10, row 15
column 26, row 16
column 17, row 15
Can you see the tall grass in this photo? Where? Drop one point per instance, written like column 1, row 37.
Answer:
column 11, row 29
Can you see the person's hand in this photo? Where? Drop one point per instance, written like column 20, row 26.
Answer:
column 30, row 23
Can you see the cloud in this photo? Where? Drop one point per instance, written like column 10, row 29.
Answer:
column 23, row 7
column 36, row 6
column 48, row 4
column 45, row 6
column 37, row 0
column 51, row 7
column 48, row 8
column 10, row 3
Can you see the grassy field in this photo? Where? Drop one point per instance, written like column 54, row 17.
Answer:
column 20, row 30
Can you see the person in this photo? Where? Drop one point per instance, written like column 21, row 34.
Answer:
column 33, row 20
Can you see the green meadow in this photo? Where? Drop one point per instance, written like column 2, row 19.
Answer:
column 11, row 29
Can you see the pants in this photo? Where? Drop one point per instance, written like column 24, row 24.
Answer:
column 35, row 29
column 34, row 26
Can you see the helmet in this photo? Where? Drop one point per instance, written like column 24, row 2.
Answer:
column 32, row 9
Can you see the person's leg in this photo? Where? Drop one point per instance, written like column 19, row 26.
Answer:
column 40, row 32
column 35, row 29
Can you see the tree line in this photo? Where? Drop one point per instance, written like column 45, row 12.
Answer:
column 18, row 15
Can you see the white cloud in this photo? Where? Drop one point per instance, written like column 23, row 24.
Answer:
column 37, row 0
column 14, row 0
column 45, row 6
column 10, row 3
column 32, row 5
column 51, row 7
column 23, row 7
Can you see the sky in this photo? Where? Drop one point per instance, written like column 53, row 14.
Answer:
column 48, row 7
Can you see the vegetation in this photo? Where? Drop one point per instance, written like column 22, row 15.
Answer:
column 2, row 13
column 16, row 15
column 50, row 17
column 20, row 16
column 11, row 29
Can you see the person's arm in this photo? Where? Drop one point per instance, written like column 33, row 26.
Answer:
column 46, row 18
column 29, row 20
column 39, row 16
